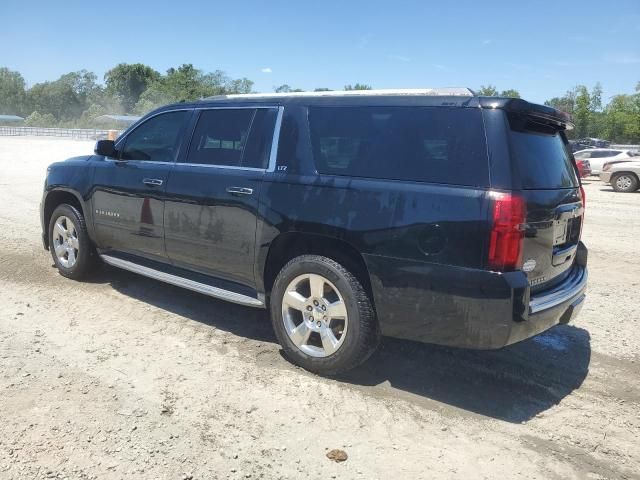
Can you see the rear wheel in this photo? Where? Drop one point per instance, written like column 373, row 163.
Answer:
column 72, row 251
column 624, row 182
column 322, row 316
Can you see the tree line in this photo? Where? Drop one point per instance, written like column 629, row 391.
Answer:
column 76, row 99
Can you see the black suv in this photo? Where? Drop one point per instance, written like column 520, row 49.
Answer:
column 431, row 215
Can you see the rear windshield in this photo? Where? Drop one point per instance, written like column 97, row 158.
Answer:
column 423, row 144
column 541, row 156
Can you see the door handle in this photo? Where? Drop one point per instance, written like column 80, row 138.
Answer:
column 239, row 191
column 154, row 182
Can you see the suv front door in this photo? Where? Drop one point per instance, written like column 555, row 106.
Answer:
column 212, row 193
column 128, row 196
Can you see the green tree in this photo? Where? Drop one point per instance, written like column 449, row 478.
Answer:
column 66, row 98
column 582, row 111
column 126, row 82
column 358, row 86
column 187, row 83
column 322, row 89
column 239, row 85
column 487, row 91
column 38, row 120
column 566, row 103
column 510, row 93
column 492, row 91
column 623, row 119
column 12, row 93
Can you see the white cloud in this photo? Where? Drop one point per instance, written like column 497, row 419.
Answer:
column 266, row 70
column 486, row 41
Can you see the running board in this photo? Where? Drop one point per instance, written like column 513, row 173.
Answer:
column 183, row 282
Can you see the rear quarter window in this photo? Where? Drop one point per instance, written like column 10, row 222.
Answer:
column 542, row 156
column 423, row 144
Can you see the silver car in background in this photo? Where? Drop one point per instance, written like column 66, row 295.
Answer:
column 622, row 175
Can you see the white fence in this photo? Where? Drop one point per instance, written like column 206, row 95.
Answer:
column 73, row 133
column 625, row 147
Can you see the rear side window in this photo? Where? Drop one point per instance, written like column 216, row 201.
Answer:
column 233, row 137
column 541, row 156
column 424, row 144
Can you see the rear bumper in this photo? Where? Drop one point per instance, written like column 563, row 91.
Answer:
column 469, row 308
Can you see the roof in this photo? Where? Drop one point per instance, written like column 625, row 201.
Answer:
column 435, row 92
column 118, row 118
column 425, row 97
column 10, row 118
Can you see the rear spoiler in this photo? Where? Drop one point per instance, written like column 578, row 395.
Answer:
column 538, row 113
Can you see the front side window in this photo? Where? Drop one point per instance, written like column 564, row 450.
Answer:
column 233, row 137
column 157, row 139
column 423, row 144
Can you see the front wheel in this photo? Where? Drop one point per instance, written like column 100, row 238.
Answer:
column 625, row 182
column 322, row 316
column 69, row 243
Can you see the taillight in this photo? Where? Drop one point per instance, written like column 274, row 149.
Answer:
column 505, row 242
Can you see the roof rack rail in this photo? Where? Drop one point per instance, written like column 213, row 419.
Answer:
column 434, row 92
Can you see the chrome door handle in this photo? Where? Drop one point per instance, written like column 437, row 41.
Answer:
column 240, row 190
column 154, row 182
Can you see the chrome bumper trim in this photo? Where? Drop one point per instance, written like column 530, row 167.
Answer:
column 568, row 289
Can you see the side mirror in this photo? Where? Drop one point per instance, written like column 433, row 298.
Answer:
column 106, row 148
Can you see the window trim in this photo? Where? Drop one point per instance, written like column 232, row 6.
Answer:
column 273, row 154
column 124, row 138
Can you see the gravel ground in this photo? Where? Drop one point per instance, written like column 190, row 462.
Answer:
column 125, row 376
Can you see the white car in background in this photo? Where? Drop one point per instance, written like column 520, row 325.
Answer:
column 599, row 156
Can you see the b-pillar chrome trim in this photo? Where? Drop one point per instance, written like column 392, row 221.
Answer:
column 184, row 282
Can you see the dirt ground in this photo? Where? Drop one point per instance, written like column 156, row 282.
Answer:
column 125, row 376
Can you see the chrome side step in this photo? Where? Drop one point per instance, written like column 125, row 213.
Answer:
column 183, row 282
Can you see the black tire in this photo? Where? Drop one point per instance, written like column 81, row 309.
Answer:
column 624, row 182
column 362, row 334
column 86, row 258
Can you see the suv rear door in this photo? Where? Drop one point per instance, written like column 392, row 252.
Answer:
column 544, row 174
column 213, row 190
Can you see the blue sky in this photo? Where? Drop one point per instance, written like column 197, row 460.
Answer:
column 539, row 48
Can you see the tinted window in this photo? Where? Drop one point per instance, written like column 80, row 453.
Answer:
column 583, row 155
column 256, row 154
column 233, row 137
column 157, row 139
column 541, row 156
column 439, row 145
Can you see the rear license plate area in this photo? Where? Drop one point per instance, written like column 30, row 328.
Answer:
column 559, row 232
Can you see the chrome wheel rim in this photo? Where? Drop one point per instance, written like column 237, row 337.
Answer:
column 623, row 182
column 314, row 315
column 65, row 242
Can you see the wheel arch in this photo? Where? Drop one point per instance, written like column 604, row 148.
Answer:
column 57, row 197
column 289, row 245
